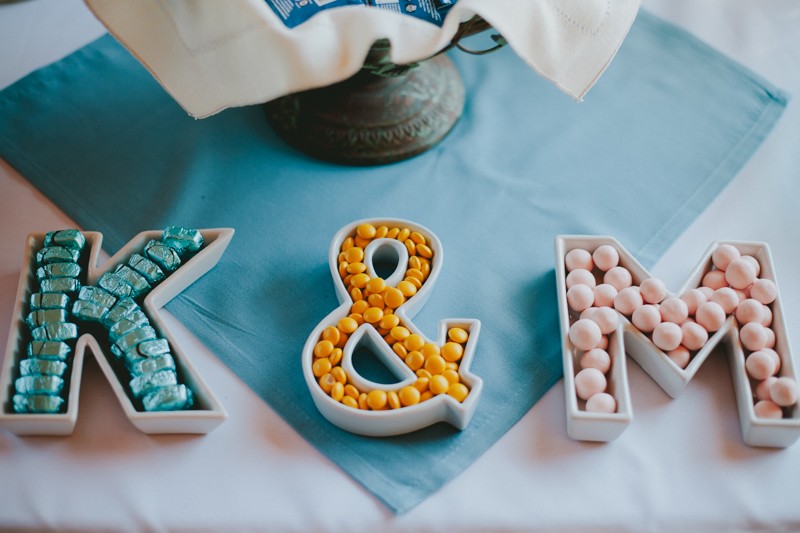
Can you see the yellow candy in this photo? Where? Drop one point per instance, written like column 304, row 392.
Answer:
column 392, row 233
column 337, row 391
column 347, row 325
column 336, row 356
column 361, row 242
column 381, row 232
column 355, row 294
column 439, row 385
column 458, row 335
column 373, row 315
column 354, row 255
column 458, row 391
column 376, row 399
column 393, row 297
column 422, row 373
column 452, row 366
column 359, row 281
column 350, row 402
column 409, row 395
column 452, row 351
column 427, row 395
column 339, row 374
column 421, row 384
column 375, row 300
column 362, row 401
column 429, row 349
column 358, row 318
column 399, row 333
column 389, row 321
column 400, row 350
column 417, row 237
column 407, row 288
column 414, row 263
column 424, row 251
column 366, row 231
column 326, row 383
column 376, row 285
column 343, row 269
column 435, row 364
column 342, row 340
column 415, row 360
column 451, row 376
column 403, row 235
column 414, row 342
column 351, row 391
column 347, row 244
column 359, row 307
column 393, row 399
column 331, row 334
column 415, row 282
column 321, row 367
column 415, row 273
column 323, row 348
column 410, row 246
column 355, row 268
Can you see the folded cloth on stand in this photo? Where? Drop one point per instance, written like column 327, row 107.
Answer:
column 210, row 55
column 668, row 127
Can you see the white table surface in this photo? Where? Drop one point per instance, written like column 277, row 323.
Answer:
column 680, row 466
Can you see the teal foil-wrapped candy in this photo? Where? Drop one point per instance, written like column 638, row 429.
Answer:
column 133, row 320
column 97, row 295
column 57, row 350
column 141, row 385
column 145, row 365
column 55, row 331
column 63, row 285
column 170, row 398
column 67, row 238
column 57, row 254
column 162, row 255
column 58, row 270
column 47, row 367
column 183, row 240
column 150, row 348
column 137, row 282
column 49, row 300
column 37, row 403
column 45, row 316
column 147, row 268
column 89, row 311
column 39, row 384
column 119, row 311
column 130, row 340
column 115, row 285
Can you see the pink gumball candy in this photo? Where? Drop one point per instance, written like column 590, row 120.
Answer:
column 693, row 299
column 694, row 336
column 602, row 402
column 604, row 295
column 740, row 273
column 607, row 319
column 726, row 298
column 707, row 291
column 585, row 334
column 578, row 258
column 764, row 290
column 619, row 277
column 759, row 365
column 753, row 261
column 776, row 359
column 711, row 316
column 588, row 382
column 723, row 255
column 603, row 344
column 674, row 310
column 714, row 279
column 653, row 290
column 767, row 322
column 667, row 336
column 596, row 358
column 627, row 300
column 646, row 318
column 770, row 338
column 762, row 389
column 580, row 276
column 680, row 356
column 768, row 409
column 750, row 310
column 580, row 297
column 605, row 257
column 784, row 392
column 753, row 336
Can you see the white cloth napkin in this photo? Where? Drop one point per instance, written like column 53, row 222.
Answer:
column 214, row 54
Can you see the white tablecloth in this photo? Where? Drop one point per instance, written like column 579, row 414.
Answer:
column 680, row 466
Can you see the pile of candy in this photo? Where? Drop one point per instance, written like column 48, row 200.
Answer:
column 679, row 326
column 374, row 303
column 143, row 358
column 40, row 385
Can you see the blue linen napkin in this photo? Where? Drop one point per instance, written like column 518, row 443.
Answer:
column 666, row 128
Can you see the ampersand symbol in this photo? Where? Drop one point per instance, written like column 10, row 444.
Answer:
column 434, row 380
